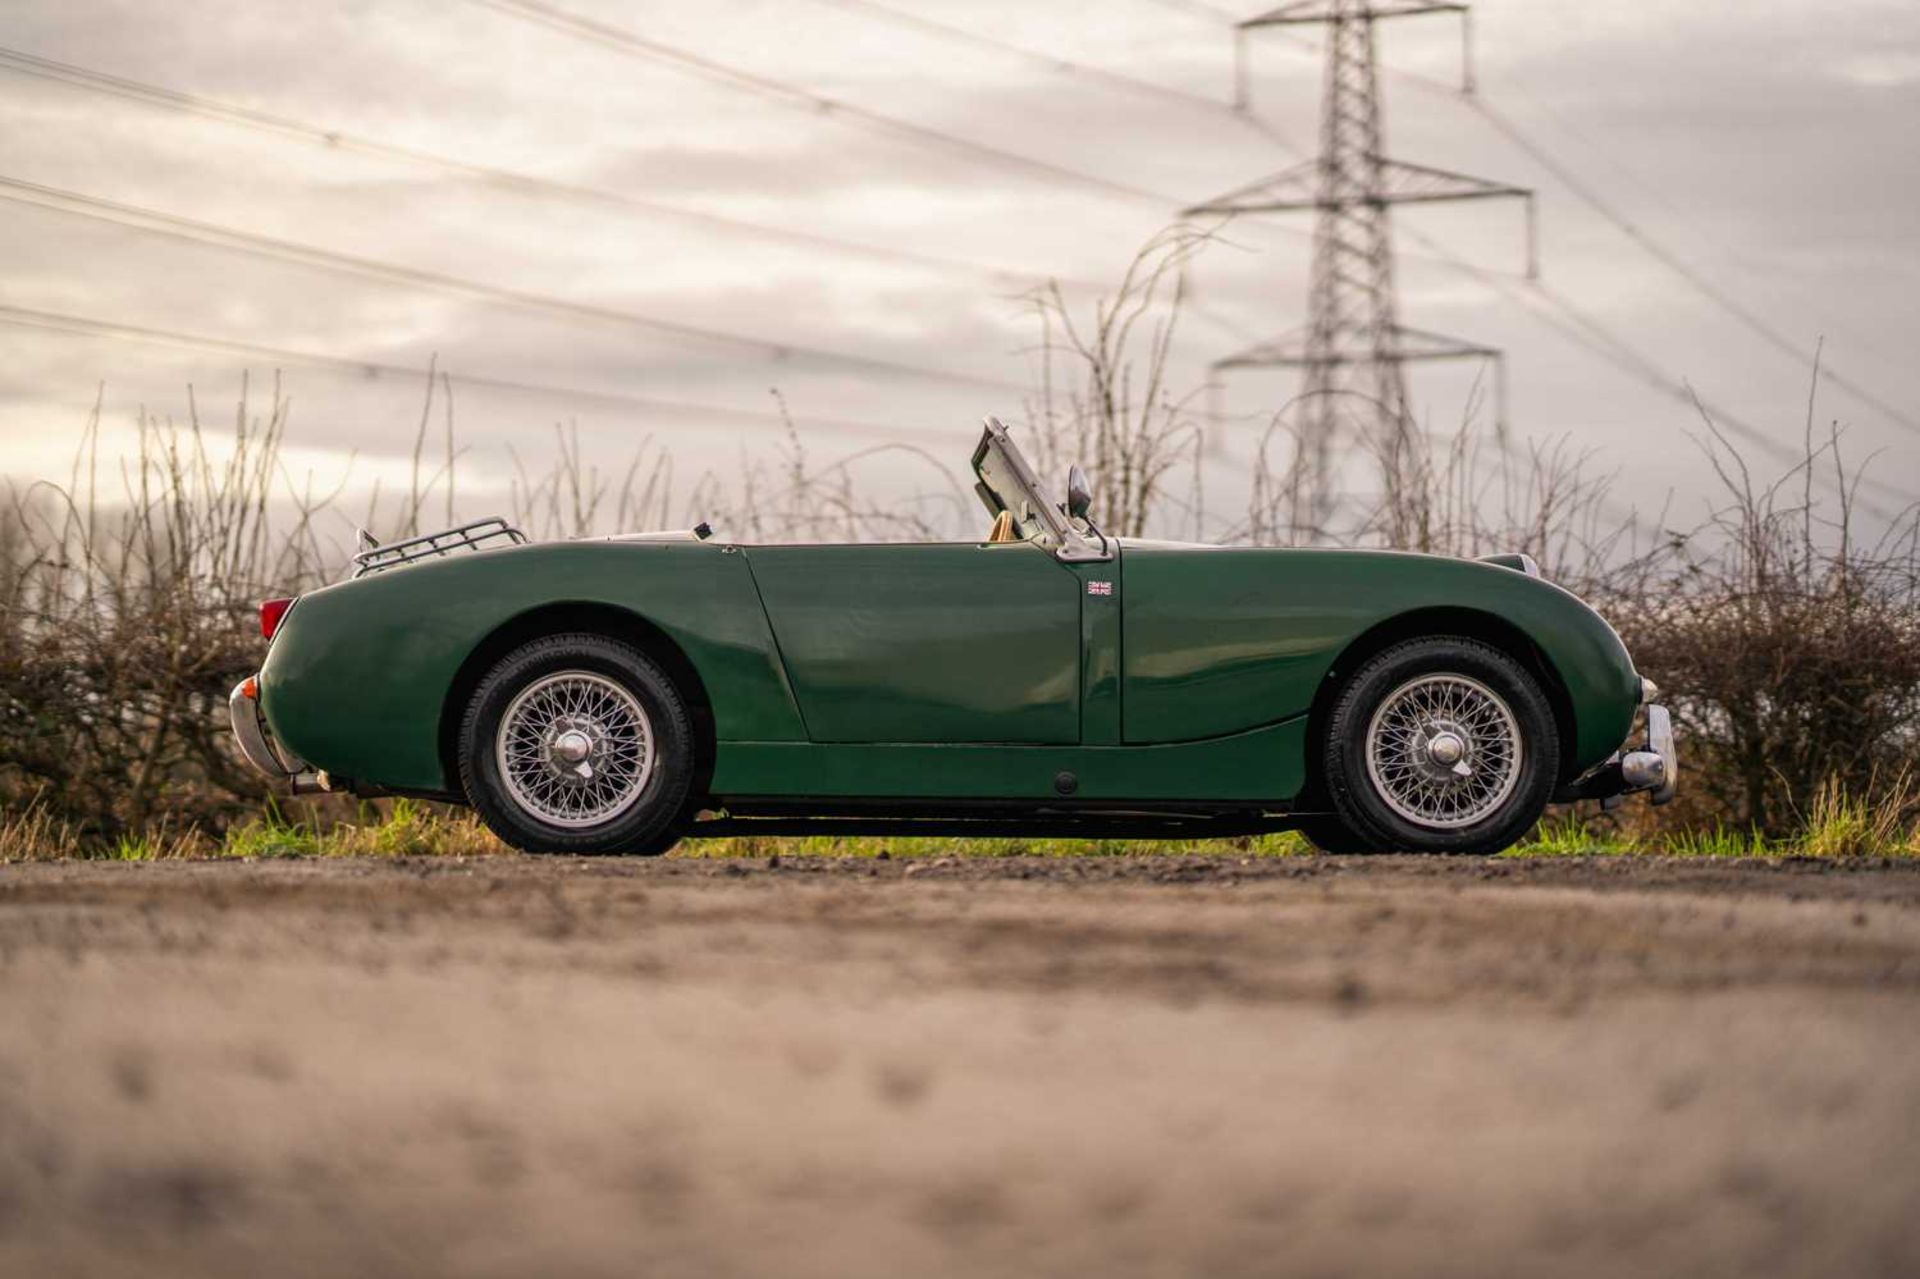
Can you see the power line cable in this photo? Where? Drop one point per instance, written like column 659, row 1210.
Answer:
column 1061, row 65
column 1197, row 9
column 632, row 44
column 1213, row 13
column 629, row 43
column 292, row 129
column 1753, row 321
column 286, row 126
column 88, row 326
column 1559, row 313
column 1599, row 340
column 1591, row 196
column 334, row 139
column 155, row 222
column 1672, row 211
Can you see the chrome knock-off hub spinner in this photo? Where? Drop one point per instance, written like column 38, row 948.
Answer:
column 1446, row 748
column 572, row 751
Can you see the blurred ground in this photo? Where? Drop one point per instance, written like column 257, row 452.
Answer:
column 1114, row 1067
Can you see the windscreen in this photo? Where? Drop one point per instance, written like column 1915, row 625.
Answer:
column 1006, row 483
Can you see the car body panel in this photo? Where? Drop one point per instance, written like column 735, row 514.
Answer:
column 357, row 678
column 1068, row 669
column 1266, row 766
column 1099, row 668
column 1165, row 674
column 936, row 643
column 1220, row 640
column 1099, row 584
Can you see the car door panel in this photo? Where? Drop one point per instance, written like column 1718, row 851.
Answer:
column 926, row 643
column 1220, row 641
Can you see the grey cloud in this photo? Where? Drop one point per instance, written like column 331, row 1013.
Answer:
column 1734, row 132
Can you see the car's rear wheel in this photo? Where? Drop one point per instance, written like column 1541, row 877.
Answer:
column 578, row 744
column 1440, row 745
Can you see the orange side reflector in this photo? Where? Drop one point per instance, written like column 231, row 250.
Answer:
column 250, row 689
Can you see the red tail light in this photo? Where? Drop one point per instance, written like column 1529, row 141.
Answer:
column 271, row 611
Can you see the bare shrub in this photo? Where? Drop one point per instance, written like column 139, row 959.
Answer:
column 791, row 499
column 128, row 595
column 1104, row 399
column 129, row 605
column 1789, row 646
column 1787, row 642
column 1462, row 494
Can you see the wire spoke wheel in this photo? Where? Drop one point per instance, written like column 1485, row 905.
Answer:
column 1444, row 751
column 575, row 749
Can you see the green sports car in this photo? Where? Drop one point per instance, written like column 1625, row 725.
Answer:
column 617, row 695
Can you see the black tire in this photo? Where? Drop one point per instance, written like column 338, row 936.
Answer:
column 1384, row 809
column 647, row 824
column 1331, row 835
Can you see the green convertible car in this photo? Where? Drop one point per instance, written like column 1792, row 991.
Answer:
column 617, row 695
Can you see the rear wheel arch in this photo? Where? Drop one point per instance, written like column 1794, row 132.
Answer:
column 1466, row 623
column 577, row 617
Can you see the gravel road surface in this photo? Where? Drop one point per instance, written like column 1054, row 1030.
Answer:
column 1106, row 1067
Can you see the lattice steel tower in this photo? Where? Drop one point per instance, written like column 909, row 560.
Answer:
column 1354, row 348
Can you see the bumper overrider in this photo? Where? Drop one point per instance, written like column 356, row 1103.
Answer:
column 257, row 744
column 1653, row 769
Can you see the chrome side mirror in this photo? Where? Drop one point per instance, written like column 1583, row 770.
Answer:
column 1079, row 496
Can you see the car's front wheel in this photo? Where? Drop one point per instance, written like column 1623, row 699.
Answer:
column 578, row 744
column 1441, row 745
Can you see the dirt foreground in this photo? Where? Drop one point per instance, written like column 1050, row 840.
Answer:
column 1114, row 1067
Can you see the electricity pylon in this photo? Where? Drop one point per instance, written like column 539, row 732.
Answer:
column 1354, row 348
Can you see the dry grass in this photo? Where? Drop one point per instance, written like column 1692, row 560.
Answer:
column 34, row 834
column 1845, row 824
column 401, row 828
column 1841, row 823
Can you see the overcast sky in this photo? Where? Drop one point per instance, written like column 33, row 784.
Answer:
column 1768, row 144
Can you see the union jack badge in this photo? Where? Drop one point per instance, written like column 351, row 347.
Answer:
column 1099, row 588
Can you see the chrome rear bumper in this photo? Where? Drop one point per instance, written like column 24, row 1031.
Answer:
column 257, row 744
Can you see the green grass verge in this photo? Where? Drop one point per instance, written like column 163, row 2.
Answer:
column 1839, row 827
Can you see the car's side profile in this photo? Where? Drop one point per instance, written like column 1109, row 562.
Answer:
column 601, row 695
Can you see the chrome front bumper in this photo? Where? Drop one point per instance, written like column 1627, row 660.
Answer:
column 1653, row 769
column 256, row 742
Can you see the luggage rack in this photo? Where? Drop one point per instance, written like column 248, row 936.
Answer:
column 375, row 558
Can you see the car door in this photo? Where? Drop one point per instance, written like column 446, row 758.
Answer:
column 926, row 643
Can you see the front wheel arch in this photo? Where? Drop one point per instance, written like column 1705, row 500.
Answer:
column 1435, row 623
column 577, row 617
column 1490, row 706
